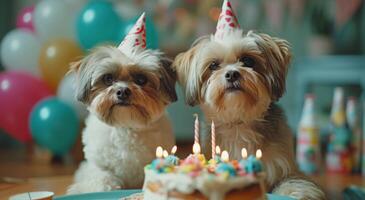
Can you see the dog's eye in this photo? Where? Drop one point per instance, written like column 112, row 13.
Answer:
column 108, row 79
column 214, row 65
column 247, row 61
column 140, row 79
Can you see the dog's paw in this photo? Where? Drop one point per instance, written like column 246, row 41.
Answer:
column 300, row 189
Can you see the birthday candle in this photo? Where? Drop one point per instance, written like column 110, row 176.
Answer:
column 213, row 139
column 159, row 152
column 218, row 150
column 244, row 153
column 258, row 154
column 165, row 154
column 196, row 148
column 242, row 162
column 172, row 159
column 173, row 150
column 196, row 129
column 225, row 156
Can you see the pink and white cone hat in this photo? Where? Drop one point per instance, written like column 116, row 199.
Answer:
column 135, row 40
column 227, row 21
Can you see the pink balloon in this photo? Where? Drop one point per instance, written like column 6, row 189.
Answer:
column 25, row 18
column 19, row 92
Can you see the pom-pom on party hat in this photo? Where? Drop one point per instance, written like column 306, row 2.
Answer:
column 227, row 21
column 135, row 40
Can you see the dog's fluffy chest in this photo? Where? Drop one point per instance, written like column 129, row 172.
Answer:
column 121, row 151
column 234, row 138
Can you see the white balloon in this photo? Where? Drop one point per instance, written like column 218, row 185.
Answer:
column 66, row 92
column 20, row 51
column 55, row 19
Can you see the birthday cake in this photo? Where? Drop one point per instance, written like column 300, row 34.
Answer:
column 195, row 178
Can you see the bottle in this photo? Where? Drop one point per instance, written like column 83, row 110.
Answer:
column 308, row 139
column 338, row 157
column 353, row 120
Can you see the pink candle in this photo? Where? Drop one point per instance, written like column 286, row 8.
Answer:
column 213, row 139
column 196, row 129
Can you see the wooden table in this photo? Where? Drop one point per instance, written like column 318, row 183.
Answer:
column 56, row 184
column 37, row 175
column 333, row 184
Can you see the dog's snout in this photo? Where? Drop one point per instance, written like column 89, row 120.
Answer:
column 124, row 93
column 232, row 76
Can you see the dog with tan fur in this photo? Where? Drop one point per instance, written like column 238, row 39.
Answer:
column 236, row 78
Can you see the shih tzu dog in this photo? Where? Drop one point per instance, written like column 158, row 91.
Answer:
column 236, row 78
column 126, row 90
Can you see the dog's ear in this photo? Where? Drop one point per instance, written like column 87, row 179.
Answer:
column 278, row 57
column 168, row 79
column 187, row 74
column 284, row 57
column 182, row 65
column 83, row 79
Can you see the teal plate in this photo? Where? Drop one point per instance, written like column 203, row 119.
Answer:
column 116, row 195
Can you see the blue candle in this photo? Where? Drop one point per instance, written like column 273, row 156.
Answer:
column 253, row 165
column 224, row 167
column 172, row 160
column 242, row 162
column 157, row 164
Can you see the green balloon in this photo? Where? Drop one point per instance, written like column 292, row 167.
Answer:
column 54, row 125
column 97, row 23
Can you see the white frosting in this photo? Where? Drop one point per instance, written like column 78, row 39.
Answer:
column 213, row 187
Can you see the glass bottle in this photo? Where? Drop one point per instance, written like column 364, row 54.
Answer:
column 308, row 139
column 338, row 157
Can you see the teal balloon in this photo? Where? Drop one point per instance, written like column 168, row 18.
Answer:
column 54, row 125
column 151, row 32
column 97, row 23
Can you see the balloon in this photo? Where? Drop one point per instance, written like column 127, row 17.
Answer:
column 97, row 23
column 151, row 32
column 54, row 19
column 20, row 50
column 54, row 125
column 25, row 19
column 66, row 93
column 19, row 92
column 55, row 59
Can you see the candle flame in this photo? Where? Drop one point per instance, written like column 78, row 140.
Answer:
column 196, row 148
column 159, row 152
column 173, row 150
column 225, row 156
column 258, row 154
column 244, row 153
column 165, row 153
column 217, row 150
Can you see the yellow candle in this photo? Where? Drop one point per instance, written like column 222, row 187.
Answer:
column 225, row 156
column 196, row 148
column 165, row 153
column 173, row 150
column 258, row 154
column 217, row 150
column 159, row 152
column 244, row 153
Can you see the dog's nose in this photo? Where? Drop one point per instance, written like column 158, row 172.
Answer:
column 124, row 93
column 232, row 76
